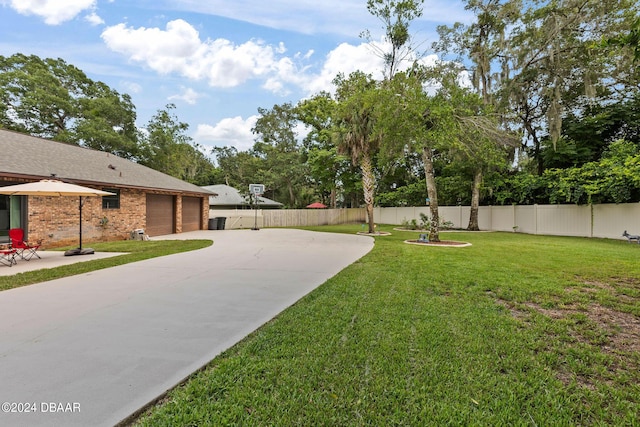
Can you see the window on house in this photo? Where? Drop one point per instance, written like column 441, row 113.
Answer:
column 111, row 202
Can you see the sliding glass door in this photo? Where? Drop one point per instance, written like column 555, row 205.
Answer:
column 12, row 209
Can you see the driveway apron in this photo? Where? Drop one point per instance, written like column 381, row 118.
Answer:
column 94, row 348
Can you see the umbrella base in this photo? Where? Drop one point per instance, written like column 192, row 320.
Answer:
column 79, row 251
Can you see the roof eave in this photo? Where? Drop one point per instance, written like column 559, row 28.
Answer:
column 203, row 193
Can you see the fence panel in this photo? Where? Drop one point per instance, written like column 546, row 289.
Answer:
column 605, row 221
column 524, row 219
column 611, row 220
column 458, row 216
column 564, row 220
column 247, row 218
column 485, row 214
column 397, row 215
column 311, row 217
column 502, row 218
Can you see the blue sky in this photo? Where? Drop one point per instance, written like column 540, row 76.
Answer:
column 217, row 61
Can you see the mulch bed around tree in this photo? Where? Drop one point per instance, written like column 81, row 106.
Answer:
column 377, row 233
column 442, row 243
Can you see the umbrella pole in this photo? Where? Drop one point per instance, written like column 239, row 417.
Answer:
column 79, row 250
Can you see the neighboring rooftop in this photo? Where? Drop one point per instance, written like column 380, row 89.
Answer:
column 25, row 156
column 228, row 196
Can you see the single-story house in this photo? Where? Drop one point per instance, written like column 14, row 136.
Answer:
column 227, row 197
column 144, row 199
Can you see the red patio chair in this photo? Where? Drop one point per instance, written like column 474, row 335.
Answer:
column 7, row 256
column 24, row 250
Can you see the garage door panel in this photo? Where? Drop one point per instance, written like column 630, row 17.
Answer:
column 191, row 213
column 160, row 214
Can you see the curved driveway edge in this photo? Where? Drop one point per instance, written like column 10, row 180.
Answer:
column 94, row 348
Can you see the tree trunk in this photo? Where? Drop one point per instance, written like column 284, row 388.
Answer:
column 368, row 186
column 333, row 198
column 292, row 196
column 536, row 147
column 475, row 201
column 432, row 192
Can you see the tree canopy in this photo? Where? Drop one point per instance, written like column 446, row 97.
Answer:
column 52, row 99
column 530, row 102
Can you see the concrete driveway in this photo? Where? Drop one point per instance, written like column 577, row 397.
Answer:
column 94, row 348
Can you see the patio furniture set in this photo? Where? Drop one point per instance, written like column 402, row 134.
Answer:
column 17, row 248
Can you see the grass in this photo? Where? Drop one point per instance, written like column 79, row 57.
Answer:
column 134, row 251
column 514, row 330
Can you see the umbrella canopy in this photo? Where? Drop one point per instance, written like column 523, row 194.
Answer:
column 51, row 187
column 54, row 187
column 316, row 205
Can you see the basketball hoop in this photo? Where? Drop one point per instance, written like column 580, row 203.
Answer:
column 256, row 189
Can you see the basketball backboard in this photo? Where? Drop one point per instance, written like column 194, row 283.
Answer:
column 256, row 189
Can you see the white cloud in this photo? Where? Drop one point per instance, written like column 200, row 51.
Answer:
column 464, row 79
column 163, row 51
column 301, row 131
column 94, row 19
column 234, row 131
column 178, row 49
column 54, row 12
column 345, row 58
column 132, row 87
column 188, row 95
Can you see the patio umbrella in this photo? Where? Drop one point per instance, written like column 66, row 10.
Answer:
column 53, row 187
column 316, row 205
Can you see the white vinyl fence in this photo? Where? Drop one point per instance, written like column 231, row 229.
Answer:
column 607, row 221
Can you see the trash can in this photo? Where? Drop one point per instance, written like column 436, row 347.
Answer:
column 213, row 223
column 221, row 222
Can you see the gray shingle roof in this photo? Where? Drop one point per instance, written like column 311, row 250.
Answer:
column 30, row 157
column 230, row 196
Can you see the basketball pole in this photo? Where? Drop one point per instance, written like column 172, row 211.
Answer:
column 255, row 208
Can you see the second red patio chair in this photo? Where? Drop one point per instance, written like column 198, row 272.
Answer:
column 23, row 249
column 7, row 256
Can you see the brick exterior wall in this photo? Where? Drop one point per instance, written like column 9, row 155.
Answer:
column 178, row 223
column 205, row 213
column 55, row 220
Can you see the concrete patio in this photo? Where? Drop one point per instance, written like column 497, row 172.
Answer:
column 50, row 259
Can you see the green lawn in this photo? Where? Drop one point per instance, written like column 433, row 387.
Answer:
column 514, row 330
column 135, row 251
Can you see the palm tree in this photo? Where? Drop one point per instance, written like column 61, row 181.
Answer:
column 355, row 130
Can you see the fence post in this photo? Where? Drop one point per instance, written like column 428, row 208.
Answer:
column 491, row 218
